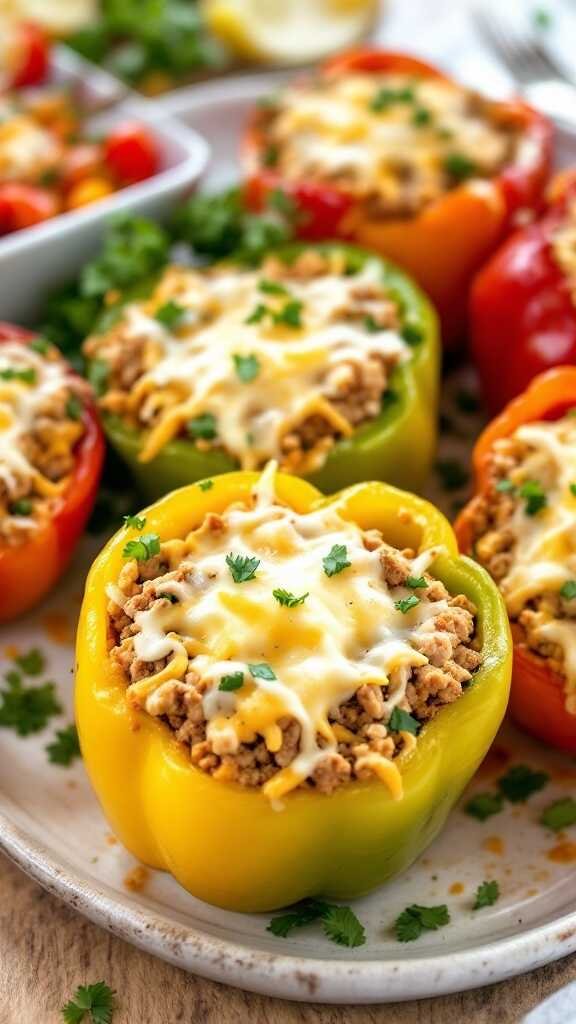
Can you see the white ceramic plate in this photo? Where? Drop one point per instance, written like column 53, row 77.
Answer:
column 50, row 823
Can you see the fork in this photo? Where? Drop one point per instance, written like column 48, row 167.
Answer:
column 529, row 64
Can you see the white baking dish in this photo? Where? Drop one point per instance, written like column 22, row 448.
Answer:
column 36, row 260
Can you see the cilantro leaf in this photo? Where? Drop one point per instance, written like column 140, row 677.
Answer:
column 520, row 782
column 287, row 599
column 458, row 166
column 290, row 315
column 65, row 747
column 137, row 522
column 343, row 927
column 272, row 287
column 32, row 663
column 573, row 489
column 415, row 919
column 144, row 548
column 206, row 485
column 484, row 805
column 568, row 590
column 26, row 709
column 22, row 507
column 300, row 915
column 257, row 314
column 387, row 96
column 336, row 560
column 505, row 486
column 421, row 117
column 170, row 314
column 261, row 671
column 247, row 367
column 415, row 582
column 91, row 1003
column 74, row 408
column 406, row 603
column 203, row 426
column 231, row 682
column 534, row 497
column 26, row 376
column 561, row 814
column 242, row 568
column 486, row 895
column 412, row 333
column 98, row 372
column 403, row 721
column 40, row 345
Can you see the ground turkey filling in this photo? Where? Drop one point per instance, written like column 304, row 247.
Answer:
column 40, row 425
column 524, row 534
column 276, row 363
column 318, row 668
column 396, row 141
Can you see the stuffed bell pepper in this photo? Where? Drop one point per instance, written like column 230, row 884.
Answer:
column 521, row 526
column 324, row 358
column 294, row 690
column 384, row 150
column 51, row 455
column 523, row 304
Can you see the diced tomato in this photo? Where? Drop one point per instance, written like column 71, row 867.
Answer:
column 131, row 153
column 32, row 56
column 22, row 206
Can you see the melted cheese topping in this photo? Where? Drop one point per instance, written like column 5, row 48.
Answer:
column 20, row 402
column 545, row 544
column 347, row 633
column 332, row 129
column 192, row 368
column 27, row 150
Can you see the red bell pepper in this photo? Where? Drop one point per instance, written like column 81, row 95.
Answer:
column 442, row 246
column 523, row 315
column 537, row 701
column 29, row 570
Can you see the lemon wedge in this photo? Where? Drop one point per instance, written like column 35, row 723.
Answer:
column 288, row 31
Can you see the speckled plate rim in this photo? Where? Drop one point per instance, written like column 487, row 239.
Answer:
column 288, row 977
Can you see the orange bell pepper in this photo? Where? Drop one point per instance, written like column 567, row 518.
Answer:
column 537, row 700
column 446, row 243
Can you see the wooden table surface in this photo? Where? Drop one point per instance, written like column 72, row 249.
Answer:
column 47, row 950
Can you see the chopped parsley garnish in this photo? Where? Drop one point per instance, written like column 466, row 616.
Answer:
column 459, row 166
column 386, row 96
column 287, row 599
column 203, row 426
column 27, row 709
column 32, row 663
column 144, row 548
column 336, row 560
column 97, row 373
column 257, row 314
column 412, row 333
column 573, row 489
column 371, row 325
column 261, row 671
column 27, row 376
column 272, row 287
column 421, row 117
column 74, row 408
column 247, row 367
column 453, row 474
column 170, row 314
column 169, row 597
column 242, row 568
column 206, row 485
column 568, row 590
column 137, row 522
column 232, row 682
column 416, row 919
column 65, row 747
column 484, row 805
column 406, row 603
column 403, row 721
column 290, row 314
column 534, row 497
column 505, row 487
column 340, row 923
column 22, row 507
column 96, row 1000
column 560, row 814
column 416, row 582
column 40, row 345
column 486, row 895
column 520, row 782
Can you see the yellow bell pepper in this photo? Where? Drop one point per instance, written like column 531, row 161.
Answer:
column 227, row 844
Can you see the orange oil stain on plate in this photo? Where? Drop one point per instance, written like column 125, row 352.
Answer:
column 11, row 651
column 111, row 840
column 456, row 888
column 494, row 844
column 59, row 628
column 137, row 878
column 563, row 853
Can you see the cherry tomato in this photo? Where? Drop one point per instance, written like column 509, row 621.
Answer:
column 131, row 153
column 22, row 206
column 32, row 49
column 83, row 160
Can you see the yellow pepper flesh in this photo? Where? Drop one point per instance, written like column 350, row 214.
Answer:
column 227, row 844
